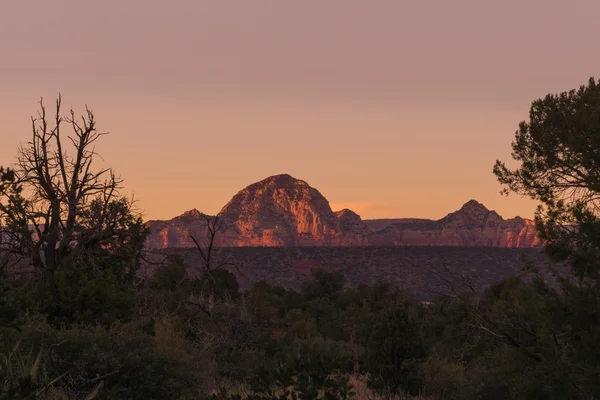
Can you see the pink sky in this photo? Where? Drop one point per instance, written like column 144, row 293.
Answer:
column 395, row 108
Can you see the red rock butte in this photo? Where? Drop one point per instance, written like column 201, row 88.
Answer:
column 284, row 211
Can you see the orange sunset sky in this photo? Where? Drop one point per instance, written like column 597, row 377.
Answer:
column 392, row 108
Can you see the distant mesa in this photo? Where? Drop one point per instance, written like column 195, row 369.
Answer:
column 284, row 211
column 472, row 225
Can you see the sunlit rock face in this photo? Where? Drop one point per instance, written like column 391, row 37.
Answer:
column 355, row 230
column 177, row 232
column 277, row 211
column 284, row 211
column 472, row 225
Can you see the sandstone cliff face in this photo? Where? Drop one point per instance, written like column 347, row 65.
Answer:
column 177, row 231
column 277, row 211
column 285, row 211
column 355, row 231
column 472, row 225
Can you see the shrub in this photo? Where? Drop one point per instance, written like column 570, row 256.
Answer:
column 123, row 357
column 442, row 377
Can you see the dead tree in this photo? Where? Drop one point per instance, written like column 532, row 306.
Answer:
column 206, row 300
column 59, row 183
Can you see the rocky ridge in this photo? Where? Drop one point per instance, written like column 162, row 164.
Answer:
column 472, row 225
column 284, row 211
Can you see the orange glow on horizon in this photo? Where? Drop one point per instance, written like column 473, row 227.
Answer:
column 400, row 111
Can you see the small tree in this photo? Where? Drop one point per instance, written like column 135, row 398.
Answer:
column 394, row 352
column 215, row 282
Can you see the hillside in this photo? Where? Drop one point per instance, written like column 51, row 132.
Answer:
column 419, row 271
column 284, row 211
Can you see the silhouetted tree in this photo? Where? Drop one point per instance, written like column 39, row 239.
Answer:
column 559, row 154
column 214, row 283
column 7, row 178
column 61, row 211
column 558, row 151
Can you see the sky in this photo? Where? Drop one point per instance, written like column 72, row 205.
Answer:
column 391, row 108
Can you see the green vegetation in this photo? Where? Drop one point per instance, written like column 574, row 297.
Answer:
column 94, row 326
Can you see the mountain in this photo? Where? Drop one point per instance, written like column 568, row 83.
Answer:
column 355, row 231
column 378, row 224
column 284, row 211
column 277, row 211
column 177, row 231
column 472, row 225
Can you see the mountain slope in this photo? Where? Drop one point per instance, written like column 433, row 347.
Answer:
column 177, row 231
column 277, row 211
column 472, row 225
column 284, row 211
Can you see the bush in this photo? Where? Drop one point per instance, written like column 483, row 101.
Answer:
column 442, row 377
column 123, row 357
column 394, row 352
column 85, row 298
